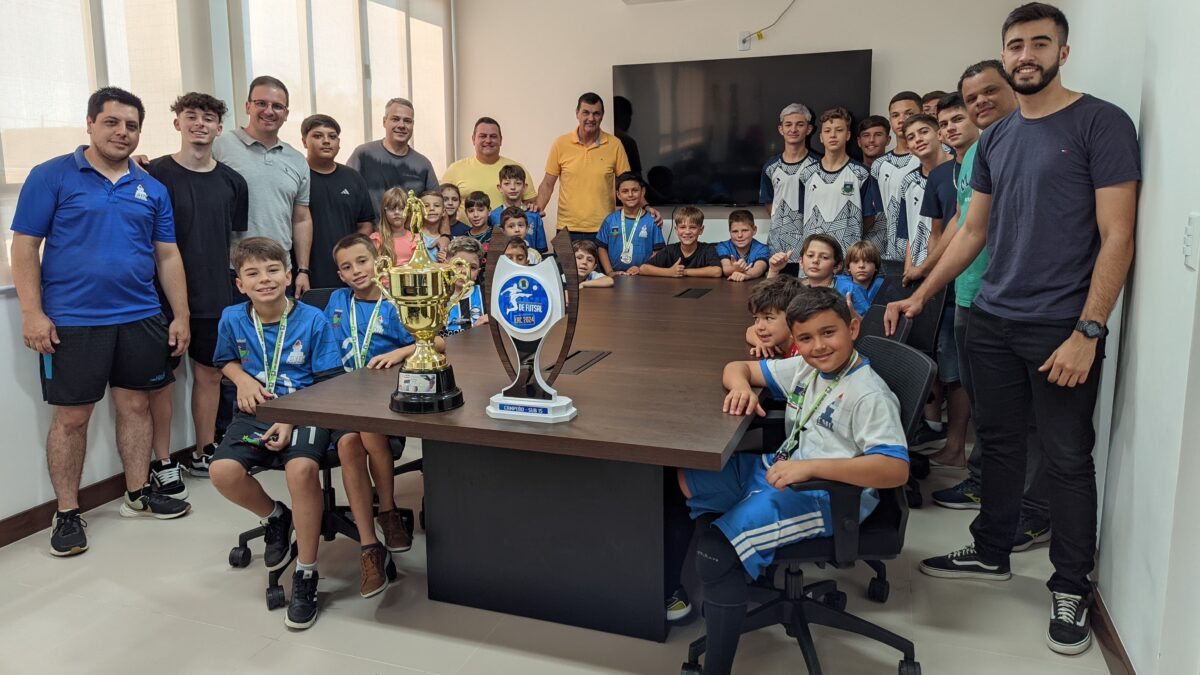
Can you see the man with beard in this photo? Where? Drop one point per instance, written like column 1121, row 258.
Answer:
column 1055, row 200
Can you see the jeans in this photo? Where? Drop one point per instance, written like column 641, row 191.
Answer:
column 1004, row 359
column 1036, row 501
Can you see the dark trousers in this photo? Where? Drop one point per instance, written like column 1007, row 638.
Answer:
column 582, row 236
column 1036, row 501
column 1004, row 359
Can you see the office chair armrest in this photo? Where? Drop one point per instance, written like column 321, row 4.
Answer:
column 844, row 504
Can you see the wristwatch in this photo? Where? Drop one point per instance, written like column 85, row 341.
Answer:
column 1092, row 329
column 303, row 270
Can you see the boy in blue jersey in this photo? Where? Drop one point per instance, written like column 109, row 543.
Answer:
column 470, row 311
column 628, row 236
column 512, row 186
column 586, row 253
column 742, row 256
column 515, row 223
column 842, row 424
column 370, row 335
column 271, row 346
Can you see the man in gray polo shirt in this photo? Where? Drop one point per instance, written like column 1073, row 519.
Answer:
column 392, row 162
column 276, row 173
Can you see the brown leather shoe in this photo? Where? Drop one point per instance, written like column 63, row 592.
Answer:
column 374, row 577
column 395, row 537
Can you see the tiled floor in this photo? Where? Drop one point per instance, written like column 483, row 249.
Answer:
column 160, row 595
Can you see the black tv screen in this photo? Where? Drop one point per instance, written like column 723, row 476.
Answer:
column 702, row 130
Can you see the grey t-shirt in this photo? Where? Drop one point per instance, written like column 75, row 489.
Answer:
column 277, row 178
column 382, row 169
column 1042, row 234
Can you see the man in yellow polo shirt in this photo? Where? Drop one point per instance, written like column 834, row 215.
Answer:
column 588, row 160
column 482, row 172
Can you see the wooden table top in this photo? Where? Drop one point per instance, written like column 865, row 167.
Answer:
column 656, row 399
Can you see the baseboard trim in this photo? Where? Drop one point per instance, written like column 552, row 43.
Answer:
column 1106, row 632
column 25, row 523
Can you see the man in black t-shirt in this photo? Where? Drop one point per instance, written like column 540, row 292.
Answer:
column 211, row 202
column 340, row 201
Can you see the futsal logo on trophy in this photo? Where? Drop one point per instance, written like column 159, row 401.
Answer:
column 527, row 302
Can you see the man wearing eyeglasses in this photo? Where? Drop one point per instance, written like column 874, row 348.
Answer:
column 276, row 173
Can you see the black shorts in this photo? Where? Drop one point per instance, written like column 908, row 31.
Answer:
column 240, row 446
column 89, row 359
column 203, row 344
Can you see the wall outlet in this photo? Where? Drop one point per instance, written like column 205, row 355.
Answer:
column 744, row 41
column 1190, row 244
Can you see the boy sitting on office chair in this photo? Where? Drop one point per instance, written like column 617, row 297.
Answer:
column 370, row 335
column 271, row 346
column 842, row 424
column 770, row 336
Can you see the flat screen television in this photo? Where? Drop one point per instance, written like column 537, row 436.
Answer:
column 702, row 130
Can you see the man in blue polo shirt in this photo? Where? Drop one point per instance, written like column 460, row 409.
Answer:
column 89, row 306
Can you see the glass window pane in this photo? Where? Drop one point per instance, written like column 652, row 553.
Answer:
column 337, row 57
column 279, row 47
column 388, row 37
column 429, row 91
column 141, row 39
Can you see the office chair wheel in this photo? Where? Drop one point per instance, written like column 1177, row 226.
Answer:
column 390, row 570
column 910, row 668
column 835, row 600
column 878, row 590
column 691, row 669
column 239, row 556
column 275, row 597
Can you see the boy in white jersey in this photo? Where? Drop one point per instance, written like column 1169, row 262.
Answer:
column 778, row 188
column 888, row 171
column 838, row 196
column 842, row 423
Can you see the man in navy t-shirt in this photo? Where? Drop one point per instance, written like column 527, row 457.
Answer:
column 1055, row 198
column 89, row 307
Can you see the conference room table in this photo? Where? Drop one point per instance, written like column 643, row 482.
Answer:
column 564, row 522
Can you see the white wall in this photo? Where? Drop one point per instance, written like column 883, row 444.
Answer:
column 573, row 45
column 1141, row 58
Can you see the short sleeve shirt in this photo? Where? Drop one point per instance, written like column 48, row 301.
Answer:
column 705, row 255
column 585, row 176
column 1042, row 234
column 382, row 169
column 535, row 236
column 966, row 286
column 278, row 180
column 310, row 349
column 641, row 233
column 779, row 184
column 340, row 201
column 466, row 312
column 98, row 265
column 889, row 171
column 471, row 175
column 209, row 207
column 758, row 251
column 835, row 202
column 349, row 318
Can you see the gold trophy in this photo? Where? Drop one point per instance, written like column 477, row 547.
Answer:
column 422, row 290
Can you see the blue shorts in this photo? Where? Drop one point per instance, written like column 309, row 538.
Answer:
column 947, row 348
column 758, row 518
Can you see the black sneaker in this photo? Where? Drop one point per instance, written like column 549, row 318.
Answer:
column 966, row 495
column 68, row 537
column 302, row 611
column 154, row 505
column 964, row 564
column 166, row 478
column 1069, row 632
column 927, row 440
column 678, row 605
column 197, row 465
column 278, row 539
column 1030, row 530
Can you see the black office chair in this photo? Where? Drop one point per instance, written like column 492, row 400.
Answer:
column 872, row 324
column 923, row 330
column 335, row 519
column 880, row 537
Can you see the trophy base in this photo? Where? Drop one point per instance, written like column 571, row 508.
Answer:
column 557, row 409
column 423, row 393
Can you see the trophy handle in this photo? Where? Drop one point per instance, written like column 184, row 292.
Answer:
column 495, row 252
column 458, row 270
column 382, row 264
column 562, row 250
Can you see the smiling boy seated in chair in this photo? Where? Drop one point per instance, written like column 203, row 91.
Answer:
column 842, row 423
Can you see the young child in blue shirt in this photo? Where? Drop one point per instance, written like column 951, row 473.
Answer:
column 628, row 237
column 586, row 253
column 470, row 311
column 515, row 223
column 863, row 263
column 512, row 186
column 369, row 335
column 842, row 423
column 271, row 346
column 821, row 261
column 742, row 256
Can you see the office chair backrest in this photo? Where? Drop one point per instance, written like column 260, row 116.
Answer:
column 317, row 297
column 907, row 372
column 872, row 324
column 923, row 333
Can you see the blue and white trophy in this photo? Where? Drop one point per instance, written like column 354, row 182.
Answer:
column 526, row 304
